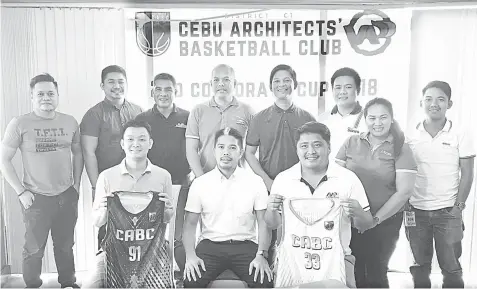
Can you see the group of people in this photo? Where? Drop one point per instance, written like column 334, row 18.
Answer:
column 322, row 204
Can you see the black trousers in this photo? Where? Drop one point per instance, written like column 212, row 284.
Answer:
column 373, row 250
column 58, row 214
column 220, row 256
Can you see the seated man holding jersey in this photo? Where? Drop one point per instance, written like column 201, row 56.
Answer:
column 134, row 200
column 229, row 201
column 314, row 203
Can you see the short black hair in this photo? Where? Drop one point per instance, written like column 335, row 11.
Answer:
column 286, row 68
column 165, row 76
column 346, row 71
column 442, row 85
column 44, row 77
column 110, row 69
column 229, row 131
column 137, row 123
column 313, row 127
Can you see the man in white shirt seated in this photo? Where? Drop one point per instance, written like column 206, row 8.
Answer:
column 230, row 202
column 315, row 177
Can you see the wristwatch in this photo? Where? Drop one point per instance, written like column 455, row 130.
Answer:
column 460, row 205
column 264, row 253
column 376, row 220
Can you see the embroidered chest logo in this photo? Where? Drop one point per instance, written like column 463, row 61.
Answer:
column 241, row 121
column 181, row 125
column 152, row 217
column 329, row 225
column 134, row 220
column 353, row 130
column 386, row 153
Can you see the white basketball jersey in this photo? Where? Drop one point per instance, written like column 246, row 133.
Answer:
column 310, row 248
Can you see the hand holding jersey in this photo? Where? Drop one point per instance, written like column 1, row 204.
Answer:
column 137, row 253
column 275, row 202
column 310, row 247
column 353, row 209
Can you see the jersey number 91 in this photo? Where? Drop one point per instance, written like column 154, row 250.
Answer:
column 135, row 253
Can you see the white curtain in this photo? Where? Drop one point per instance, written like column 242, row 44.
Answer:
column 73, row 45
column 444, row 46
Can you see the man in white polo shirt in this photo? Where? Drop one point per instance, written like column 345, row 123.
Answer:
column 316, row 177
column 230, row 201
column 445, row 158
column 346, row 117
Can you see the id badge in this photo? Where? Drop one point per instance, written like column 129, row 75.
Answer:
column 409, row 219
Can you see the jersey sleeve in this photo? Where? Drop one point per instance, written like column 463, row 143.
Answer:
column 91, row 124
column 405, row 162
column 76, row 136
column 253, row 135
column 341, row 155
column 262, row 195
column 194, row 204
column 466, row 145
column 102, row 190
column 279, row 186
column 358, row 193
column 192, row 130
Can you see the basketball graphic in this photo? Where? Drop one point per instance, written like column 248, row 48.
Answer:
column 153, row 32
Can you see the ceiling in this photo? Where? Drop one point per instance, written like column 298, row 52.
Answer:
column 323, row 4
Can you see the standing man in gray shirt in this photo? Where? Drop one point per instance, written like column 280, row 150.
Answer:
column 49, row 143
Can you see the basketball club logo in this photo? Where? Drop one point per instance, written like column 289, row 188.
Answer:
column 329, row 225
column 378, row 32
column 153, row 32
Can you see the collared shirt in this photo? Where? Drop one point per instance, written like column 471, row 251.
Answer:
column 227, row 206
column 438, row 168
column 342, row 126
column 105, row 121
column 118, row 178
column 273, row 131
column 376, row 167
column 168, row 149
column 207, row 118
column 45, row 146
column 340, row 183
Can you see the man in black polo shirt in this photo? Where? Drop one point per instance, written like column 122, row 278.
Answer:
column 102, row 125
column 168, row 123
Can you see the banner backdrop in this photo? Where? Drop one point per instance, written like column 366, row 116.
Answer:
column 189, row 43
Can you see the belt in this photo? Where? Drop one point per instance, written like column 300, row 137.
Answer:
column 230, row 242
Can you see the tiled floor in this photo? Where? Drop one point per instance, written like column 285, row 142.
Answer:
column 396, row 280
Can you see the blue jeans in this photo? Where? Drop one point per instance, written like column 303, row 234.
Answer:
column 57, row 214
column 447, row 231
